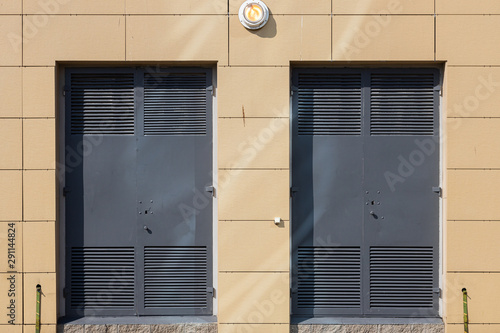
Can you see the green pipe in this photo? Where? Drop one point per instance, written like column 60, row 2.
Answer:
column 466, row 312
column 38, row 297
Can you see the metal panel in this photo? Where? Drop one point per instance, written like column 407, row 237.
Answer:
column 175, row 104
column 373, row 190
column 401, row 277
column 173, row 207
column 102, row 103
column 175, row 277
column 329, row 104
column 102, row 278
column 323, row 215
column 328, row 278
column 402, row 103
column 400, row 173
column 128, row 189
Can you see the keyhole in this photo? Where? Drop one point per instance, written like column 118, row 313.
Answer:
column 373, row 203
column 145, row 212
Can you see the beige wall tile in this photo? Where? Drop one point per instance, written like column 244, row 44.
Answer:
column 11, row 243
column 11, row 41
column 253, row 194
column 48, row 300
column 85, row 37
column 11, row 140
column 268, row 97
column 195, row 37
column 253, row 143
column 39, row 195
column 473, row 91
column 281, row 40
column 11, row 88
column 11, row 285
column 470, row 246
column 39, row 92
column 39, row 143
column 384, row 7
column 11, row 201
column 55, row 7
column 39, row 247
column 253, row 328
column 11, row 91
column 254, row 246
column 289, row 7
column 468, row 39
column 467, row 7
column 476, row 328
column 473, row 143
column 5, row 328
column 247, row 298
column 176, row 7
column 383, row 38
column 11, row 6
column 472, row 194
column 483, row 297
column 43, row 328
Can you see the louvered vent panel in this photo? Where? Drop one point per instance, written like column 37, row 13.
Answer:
column 402, row 104
column 175, row 277
column 102, row 277
column 102, row 103
column 401, row 277
column 175, row 104
column 329, row 277
column 329, row 104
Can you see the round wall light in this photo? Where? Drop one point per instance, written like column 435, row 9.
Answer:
column 253, row 14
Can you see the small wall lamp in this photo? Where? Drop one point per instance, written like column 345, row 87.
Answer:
column 253, row 14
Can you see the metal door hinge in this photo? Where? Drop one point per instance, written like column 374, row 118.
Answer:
column 211, row 290
column 211, row 89
column 293, row 190
column 66, row 191
column 437, row 291
column 293, row 89
column 210, row 189
column 437, row 189
column 64, row 90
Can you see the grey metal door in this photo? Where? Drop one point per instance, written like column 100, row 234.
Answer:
column 137, row 240
column 365, row 161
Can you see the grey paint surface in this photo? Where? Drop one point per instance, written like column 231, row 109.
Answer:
column 144, row 192
column 343, row 200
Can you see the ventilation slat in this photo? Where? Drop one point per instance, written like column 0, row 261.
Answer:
column 102, row 277
column 102, row 103
column 175, row 104
column 401, row 277
column 175, row 277
column 329, row 277
column 402, row 104
column 329, row 104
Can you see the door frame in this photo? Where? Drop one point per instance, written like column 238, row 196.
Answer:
column 60, row 105
column 391, row 66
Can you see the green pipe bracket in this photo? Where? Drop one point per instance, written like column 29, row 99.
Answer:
column 466, row 311
column 38, row 300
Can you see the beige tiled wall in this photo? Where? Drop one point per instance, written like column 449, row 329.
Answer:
column 252, row 94
column 468, row 42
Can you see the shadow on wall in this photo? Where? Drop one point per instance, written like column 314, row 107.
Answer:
column 269, row 30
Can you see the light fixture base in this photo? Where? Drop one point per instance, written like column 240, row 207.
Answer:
column 253, row 14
